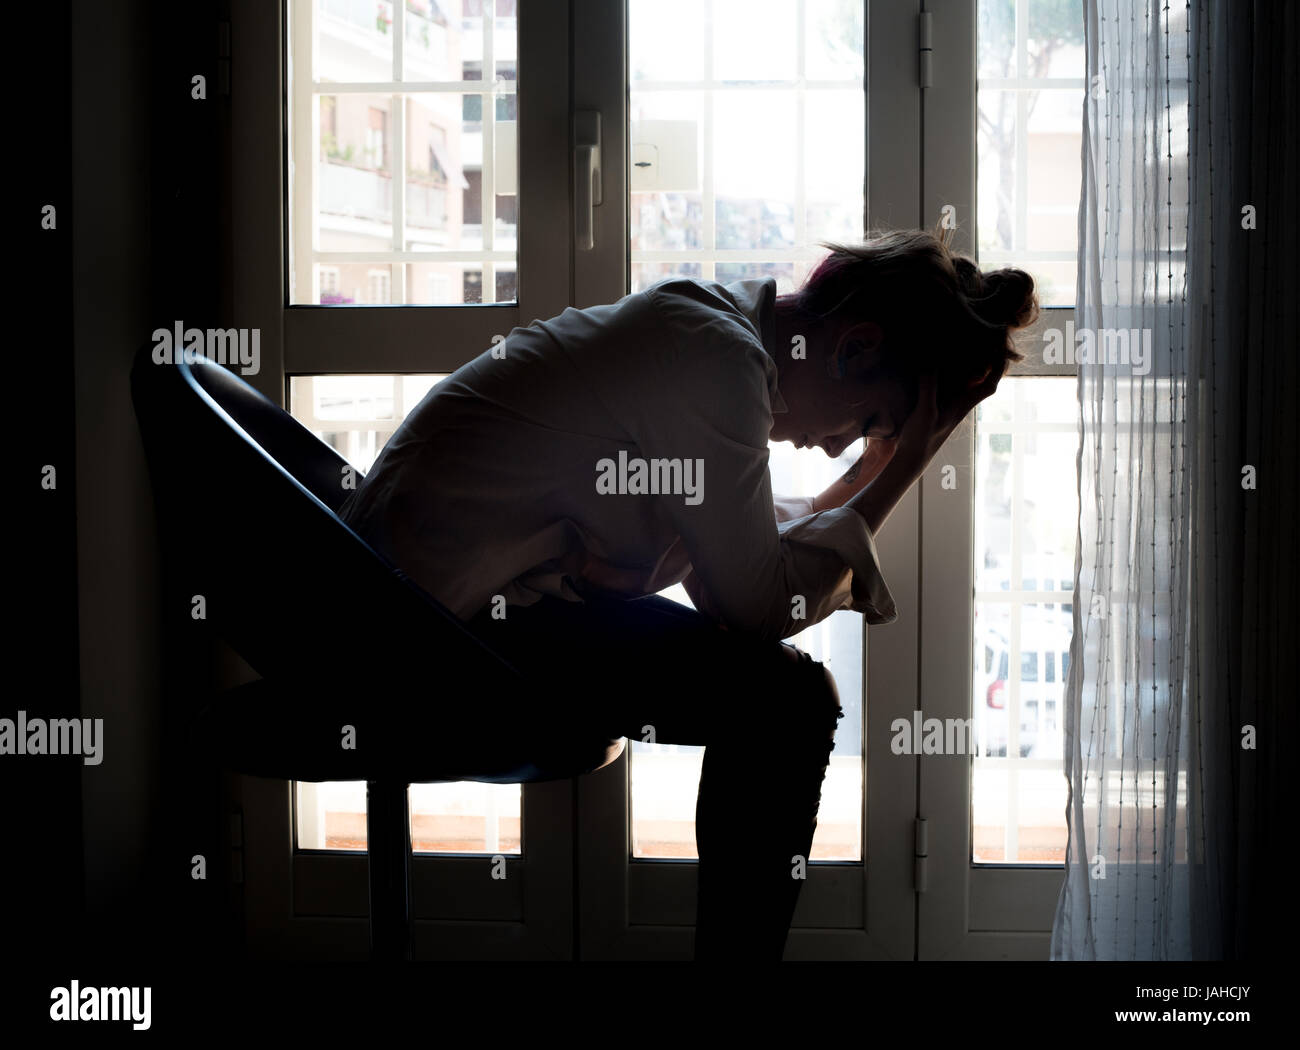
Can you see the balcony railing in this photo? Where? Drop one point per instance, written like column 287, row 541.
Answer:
column 356, row 192
column 426, row 206
column 362, row 193
column 426, row 40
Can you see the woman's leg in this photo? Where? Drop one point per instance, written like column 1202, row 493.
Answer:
column 765, row 714
column 754, row 823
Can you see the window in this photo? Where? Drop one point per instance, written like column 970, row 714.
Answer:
column 329, row 284
column 439, row 287
column 1025, row 517
column 356, row 415
column 301, row 131
column 379, row 283
column 712, row 197
column 440, row 221
column 1030, row 112
column 386, row 133
column 437, row 167
column 1029, row 97
column 377, row 139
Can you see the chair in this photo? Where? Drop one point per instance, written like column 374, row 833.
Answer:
column 247, row 501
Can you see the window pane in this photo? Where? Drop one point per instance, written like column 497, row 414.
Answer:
column 833, row 175
column 377, row 172
column 1030, row 97
column 754, row 202
column 666, row 40
column 665, row 777
column 711, row 198
column 1026, row 515
column 752, row 38
column 356, row 415
column 354, row 40
column 1053, row 141
column 704, row 178
column 833, row 40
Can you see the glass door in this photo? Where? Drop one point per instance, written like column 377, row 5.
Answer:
column 400, row 200
column 734, row 139
column 998, row 531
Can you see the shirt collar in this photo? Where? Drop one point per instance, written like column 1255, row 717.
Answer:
column 756, row 298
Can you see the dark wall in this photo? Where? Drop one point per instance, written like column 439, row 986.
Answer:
column 43, row 839
column 134, row 164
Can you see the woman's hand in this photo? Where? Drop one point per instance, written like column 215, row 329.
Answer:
column 923, row 434
column 930, row 424
column 875, row 457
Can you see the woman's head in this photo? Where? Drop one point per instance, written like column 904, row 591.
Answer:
column 878, row 315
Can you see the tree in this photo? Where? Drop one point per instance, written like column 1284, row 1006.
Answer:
column 1053, row 25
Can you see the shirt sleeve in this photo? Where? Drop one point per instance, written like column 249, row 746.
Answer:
column 790, row 508
column 756, row 575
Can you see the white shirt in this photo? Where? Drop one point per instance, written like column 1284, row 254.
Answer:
column 493, row 483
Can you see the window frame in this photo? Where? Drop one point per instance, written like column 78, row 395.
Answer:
column 299, row 903
column 644, row 908
column 987, row 910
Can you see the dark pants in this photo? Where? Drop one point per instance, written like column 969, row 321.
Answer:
column 767, row 723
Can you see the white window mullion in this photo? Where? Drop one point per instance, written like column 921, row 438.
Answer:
column 1011, row 837
column 399, row 404
column 707, row 270
column 399, row 40
column 411, row 87
column 800, row 129
column 1011, row 833
column 1025, row 255
column 304, row 150
column 1045, row 83
column 432, row 255
column 646, row 86
column 487, row 185
column 398, row 286
column 1020, row 238
column 399, row 198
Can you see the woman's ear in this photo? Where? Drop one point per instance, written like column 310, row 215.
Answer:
column 858, row 360
column 857, row 351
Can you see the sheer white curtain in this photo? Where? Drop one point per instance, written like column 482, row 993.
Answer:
column 1186, row 563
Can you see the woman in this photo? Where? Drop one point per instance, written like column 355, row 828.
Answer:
column 549, row 488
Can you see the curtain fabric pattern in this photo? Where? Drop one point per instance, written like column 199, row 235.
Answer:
column 1180, row 704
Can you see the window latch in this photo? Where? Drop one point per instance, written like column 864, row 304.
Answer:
column 925, row 48
column 920, row 853
column 586, row 169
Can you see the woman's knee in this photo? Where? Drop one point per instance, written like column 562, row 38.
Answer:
column 817, row 695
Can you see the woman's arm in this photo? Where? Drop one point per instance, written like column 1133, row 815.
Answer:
column 922, row 437
column 924, row 433
column 873, row 460
column 881, row 495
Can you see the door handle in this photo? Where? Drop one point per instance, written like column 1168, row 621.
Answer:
column 586, row 173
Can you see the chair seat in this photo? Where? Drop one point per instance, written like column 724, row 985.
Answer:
column 263, row 730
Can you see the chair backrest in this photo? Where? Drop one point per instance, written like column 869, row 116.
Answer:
column 247, row 500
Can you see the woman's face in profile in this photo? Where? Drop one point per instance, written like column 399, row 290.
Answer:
column 832, row 413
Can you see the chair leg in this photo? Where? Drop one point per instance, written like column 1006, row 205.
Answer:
column 388, row 832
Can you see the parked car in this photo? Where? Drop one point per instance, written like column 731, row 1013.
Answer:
column 1044, row 662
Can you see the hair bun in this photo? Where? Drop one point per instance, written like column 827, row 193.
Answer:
column 1005, row 297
